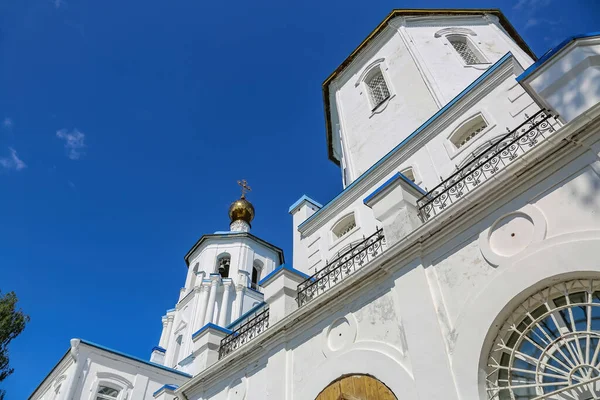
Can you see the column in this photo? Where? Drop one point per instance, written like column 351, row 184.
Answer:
column 210, row 309
column 163, row 335
column 201, row 310
column 169, row 329
column 224, row 304
column 239, row 301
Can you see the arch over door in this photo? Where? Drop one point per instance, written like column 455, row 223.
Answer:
column 356, row 387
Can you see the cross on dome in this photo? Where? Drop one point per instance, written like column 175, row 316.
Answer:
column 245, row 187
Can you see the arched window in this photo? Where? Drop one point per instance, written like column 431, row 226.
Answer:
column 376, row 87
column 466, row 49
column 256, row 270
column 468, row 130
column 107, row 393
column 194, row 274
column 344, row 226
column 548, row 348
column 223, row 263
column 409, row 173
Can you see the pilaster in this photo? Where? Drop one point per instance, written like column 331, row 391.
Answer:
column 225, row 303
column 280, row 290
column 207, row 341
column 395, row 204
column 215, row 280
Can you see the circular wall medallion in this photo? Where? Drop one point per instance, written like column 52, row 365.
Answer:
column 512, row 233
column 339, row 335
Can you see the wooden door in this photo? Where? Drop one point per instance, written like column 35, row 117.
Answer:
column 356, row 387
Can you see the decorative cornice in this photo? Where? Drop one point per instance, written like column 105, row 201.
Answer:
column 454, row 31
column 424, row 240
column 374, row 35
column 487, row 82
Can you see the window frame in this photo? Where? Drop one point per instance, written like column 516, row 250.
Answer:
column 415, row 173
column 335, row 239
column 372, row 75
column 99, row 395
column 111, row 380
column 258, row 266
column 483, row 63
column 454, row 151
column 377, row 66
column 220, row 257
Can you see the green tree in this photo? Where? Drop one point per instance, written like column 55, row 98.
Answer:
column 12, row 323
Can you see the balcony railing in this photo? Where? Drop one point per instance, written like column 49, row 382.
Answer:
column 341, row 267
column 485, row 165
column 244, row 333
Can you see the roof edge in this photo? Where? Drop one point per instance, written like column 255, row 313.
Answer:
column 510, row 29
column 232, row 234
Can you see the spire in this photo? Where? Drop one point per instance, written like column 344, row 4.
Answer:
column 241, row 211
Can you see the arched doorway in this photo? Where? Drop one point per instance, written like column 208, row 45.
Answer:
column 356, row 387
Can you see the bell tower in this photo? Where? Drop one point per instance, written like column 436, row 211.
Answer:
column 221, row 286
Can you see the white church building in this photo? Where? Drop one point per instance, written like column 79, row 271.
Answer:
column 460, row 262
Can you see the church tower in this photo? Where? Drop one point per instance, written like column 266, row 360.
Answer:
column 222, row 285
column 412, row 65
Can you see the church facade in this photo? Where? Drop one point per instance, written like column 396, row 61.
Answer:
column 461, row 260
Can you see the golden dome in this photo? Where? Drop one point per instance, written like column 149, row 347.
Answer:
column 241, row 209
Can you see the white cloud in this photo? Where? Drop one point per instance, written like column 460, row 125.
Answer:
column 59, row 3
column 13, row 162
column 531, row 5
column 531, row 22
column 7, row 123
column 74, row 142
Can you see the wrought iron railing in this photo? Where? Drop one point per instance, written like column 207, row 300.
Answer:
column 340, row 268
column 244, row 333
column 503, row 152
column 250, row 314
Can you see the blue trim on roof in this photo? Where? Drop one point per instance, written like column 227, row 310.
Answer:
column 158, row 348
column 550, row 53
column 171, row 309
column 213, row 326
column 165, row 387
column 250, row 311
column 301, row 199
column 394, row 178
column 136, row 358
column 282, row 267
column 441, row 111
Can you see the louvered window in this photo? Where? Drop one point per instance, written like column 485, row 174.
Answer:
column 464, row 48
column 378, row 90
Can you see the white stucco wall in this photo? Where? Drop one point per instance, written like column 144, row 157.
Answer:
column 423, row 73
column 501, row 101
column 86, row 367
column 422, row 326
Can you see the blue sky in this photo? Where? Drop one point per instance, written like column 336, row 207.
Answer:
column 124, row 126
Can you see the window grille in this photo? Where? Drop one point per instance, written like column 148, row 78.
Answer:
column 348, row 228
column 344, row 226
column 107, row 393
column 468, row 131
column 548, row 347
column 464, row 50
column 378, row 90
